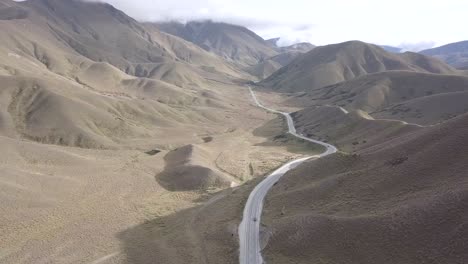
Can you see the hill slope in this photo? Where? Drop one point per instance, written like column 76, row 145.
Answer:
column 341, row 62
column 269, row 66
column 348, row 131
column 455, row 54
column 403, row 201
column 414, row 97
column 188, row 168
column 85, row 74
column 234, row 43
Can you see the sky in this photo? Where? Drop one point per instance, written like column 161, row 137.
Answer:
column 410, row 24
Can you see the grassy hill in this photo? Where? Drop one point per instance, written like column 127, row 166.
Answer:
column 337, row 63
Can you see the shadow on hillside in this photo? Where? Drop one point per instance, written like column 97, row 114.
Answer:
column 206, row 233
column 159, row 240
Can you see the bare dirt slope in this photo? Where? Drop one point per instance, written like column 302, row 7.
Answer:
column 336, row 63
column 403, row 201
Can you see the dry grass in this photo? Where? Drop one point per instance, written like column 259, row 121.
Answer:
column 403, row 201
column 91, row 102
column 413, row 97
column 333, row 64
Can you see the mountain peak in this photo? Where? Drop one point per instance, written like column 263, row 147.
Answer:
column 273, row 42
column 232, row 42
column 340, row 62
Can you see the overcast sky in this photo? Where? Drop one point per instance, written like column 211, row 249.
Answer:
column 413, row 24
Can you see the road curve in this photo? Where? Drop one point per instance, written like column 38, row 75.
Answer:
column 249, row 229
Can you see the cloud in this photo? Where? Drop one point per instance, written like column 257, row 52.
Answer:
column 418, row 24
column 259, row 15
column 415, row 47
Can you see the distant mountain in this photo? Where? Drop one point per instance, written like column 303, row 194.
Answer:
column 336, row 63
column 273, row 42
column 234, row 43
column 300, row 47
column 269, row 66
column 286, row 54
column 455, row 54
column 391, row 49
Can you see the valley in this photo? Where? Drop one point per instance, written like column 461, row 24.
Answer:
column 130, row 142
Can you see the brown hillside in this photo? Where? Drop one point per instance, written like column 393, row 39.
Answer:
column 336, row 63
column 348, row 131
column 271, row 65
column 404, row 201
column 85, row 74
column 455, row 54
column 188, row 168
column 420, row 98
column 234, row 43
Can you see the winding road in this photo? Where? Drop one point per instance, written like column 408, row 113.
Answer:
column 249, row 229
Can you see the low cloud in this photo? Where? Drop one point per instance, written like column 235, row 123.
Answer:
column 415, row 47
column 319, row 22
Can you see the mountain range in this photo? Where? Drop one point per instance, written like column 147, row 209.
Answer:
column 336, row 63
column 139, row 142
column 236, row 44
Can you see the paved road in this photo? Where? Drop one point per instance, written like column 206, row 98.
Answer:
column 249, row 237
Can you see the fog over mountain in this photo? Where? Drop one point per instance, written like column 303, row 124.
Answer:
column 137, row 132
column 320, row 22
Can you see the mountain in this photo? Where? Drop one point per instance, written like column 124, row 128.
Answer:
column 273, row 42
column 298, row 47
column 85, row 74
column 95, row 109
column 232, row 42
column 455, row 54
column 286, row 54
column 102, row 33
column 414, row 97
column 236, row 44
column 336, row 63
column 403, row 201
column 267, row 67
column 350, row 131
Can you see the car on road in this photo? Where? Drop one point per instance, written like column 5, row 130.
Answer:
column 255, row 219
